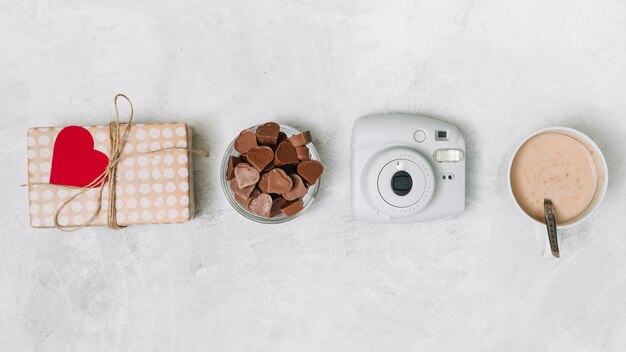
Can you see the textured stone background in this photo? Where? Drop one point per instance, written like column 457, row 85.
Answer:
column 497, row 69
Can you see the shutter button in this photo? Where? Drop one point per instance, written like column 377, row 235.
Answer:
column 419, row 136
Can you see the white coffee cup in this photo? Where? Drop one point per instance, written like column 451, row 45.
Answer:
column 506, row 189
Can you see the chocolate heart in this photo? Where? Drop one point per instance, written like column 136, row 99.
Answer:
column 261, row 205
column 269, row 166
column 300, row 139
column 241, row 192
column 276, row 205
column 281, row 137
column 303, row 153
column 255, row 193
column 260, row 157
column 285, row 154
column 290, row 169
column 232, row 162
column 275, row 181
column 291, row 208
column 297, row 190
column 245, row 141
column 263, row 182
column 267, row 133
column 246, row 175
column 310, row 171
column 245, row 202
column 74, row 161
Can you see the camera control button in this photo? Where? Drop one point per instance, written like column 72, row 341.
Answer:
column 419, row 136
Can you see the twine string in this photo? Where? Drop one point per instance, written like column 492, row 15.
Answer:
column 107, row 177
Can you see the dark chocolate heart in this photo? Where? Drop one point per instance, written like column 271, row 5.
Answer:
column 277, row 182
column 300, row 139
column 259, row 157
column 303, row 153
column 310, row 171
column 285, row 154
column 281, row 137
column 298, row 189
column 232, row 162
column 245, row 141
column 269, row 166
column 276, row 205
column 267, row 133
column 291, row 208
column 264, row 182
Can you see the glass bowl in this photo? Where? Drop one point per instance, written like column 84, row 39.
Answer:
column 307, row 199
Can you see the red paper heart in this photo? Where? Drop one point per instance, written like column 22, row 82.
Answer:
column 74, row 161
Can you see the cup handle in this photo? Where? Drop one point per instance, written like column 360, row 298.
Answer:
column 543, row 242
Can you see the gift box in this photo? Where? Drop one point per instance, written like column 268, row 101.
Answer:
column 153, row 177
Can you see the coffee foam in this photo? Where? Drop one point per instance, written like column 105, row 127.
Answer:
column 557, row 167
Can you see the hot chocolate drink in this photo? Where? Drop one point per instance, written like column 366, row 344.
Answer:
column 557, row 167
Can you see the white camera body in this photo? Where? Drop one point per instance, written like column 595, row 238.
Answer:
column 406, row 169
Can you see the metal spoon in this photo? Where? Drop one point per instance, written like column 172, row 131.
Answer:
column 551, row 225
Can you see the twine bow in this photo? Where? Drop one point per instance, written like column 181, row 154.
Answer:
column 107, row 177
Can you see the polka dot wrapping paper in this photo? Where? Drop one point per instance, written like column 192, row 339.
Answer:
column 153, row 183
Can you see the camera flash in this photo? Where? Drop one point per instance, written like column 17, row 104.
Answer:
column 448, row 155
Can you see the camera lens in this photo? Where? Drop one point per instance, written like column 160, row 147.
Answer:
column 401, row 183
